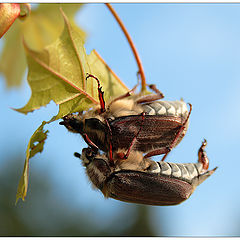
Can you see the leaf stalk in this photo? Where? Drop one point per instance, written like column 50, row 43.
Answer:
column 134, row 50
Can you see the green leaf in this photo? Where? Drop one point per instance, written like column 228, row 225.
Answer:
column 112, row 85
column 35, row 145
column 58, row 73
column 39, row 29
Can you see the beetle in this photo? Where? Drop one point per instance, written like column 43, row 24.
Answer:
column 141, row 180
column 132, row 123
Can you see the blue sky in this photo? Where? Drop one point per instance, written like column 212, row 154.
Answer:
column 190, row 51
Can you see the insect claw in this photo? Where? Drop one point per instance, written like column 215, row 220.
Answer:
column 204, row 144
column 212, row 171
column 202, row 155
column 190, row 105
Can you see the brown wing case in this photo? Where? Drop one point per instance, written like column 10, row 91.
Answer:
column 145, row 188
column 156, row 131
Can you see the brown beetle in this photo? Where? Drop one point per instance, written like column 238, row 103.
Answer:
column 132, row 123
column 141, row 180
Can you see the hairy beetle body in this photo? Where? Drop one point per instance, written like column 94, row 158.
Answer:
column 132, row 123
column 146, row 181
column 159, row 108
column 160, row 125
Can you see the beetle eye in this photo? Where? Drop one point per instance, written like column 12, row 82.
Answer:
column 89, row 153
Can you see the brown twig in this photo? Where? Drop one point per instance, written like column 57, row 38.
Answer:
column 141, row 72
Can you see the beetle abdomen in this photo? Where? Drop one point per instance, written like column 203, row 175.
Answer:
column 164, row 184
column 166, row 108
column 193, row 173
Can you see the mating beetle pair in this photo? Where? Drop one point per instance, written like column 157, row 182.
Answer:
column 125, row 130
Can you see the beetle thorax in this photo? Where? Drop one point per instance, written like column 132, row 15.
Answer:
column 95, row 173
column 97, row 167
column 123, row 107
column 135, row 161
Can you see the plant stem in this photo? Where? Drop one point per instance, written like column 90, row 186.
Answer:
column 136, row 55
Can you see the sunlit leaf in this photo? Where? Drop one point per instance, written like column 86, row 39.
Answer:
column 112, row 85
column 39, row 29
column 58, row 73
column 35, row 145
column 8, row 12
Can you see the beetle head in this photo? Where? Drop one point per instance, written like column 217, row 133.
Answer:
column 73, row 122
column 97, row 167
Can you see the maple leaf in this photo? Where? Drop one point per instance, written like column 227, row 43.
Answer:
column 58, row 73
column 39, row 29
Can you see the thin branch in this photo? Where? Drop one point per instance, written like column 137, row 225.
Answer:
column 136, row 55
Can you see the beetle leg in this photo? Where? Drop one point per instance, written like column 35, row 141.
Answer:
column 157, row 152
column 100, row 94
column 202, row 155
column 121, row 97
column 151, row 97
column 179, row 133
column 111, row 162
column 90, row 143
column 127, row 94
column 135, row 138
column 157, row 91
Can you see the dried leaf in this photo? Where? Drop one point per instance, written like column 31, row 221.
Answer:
column 8, row 12
column 35, row 145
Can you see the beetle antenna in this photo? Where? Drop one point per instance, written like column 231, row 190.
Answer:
column 77, row 155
